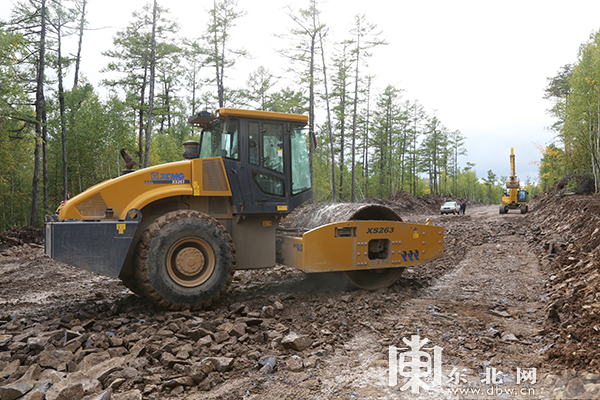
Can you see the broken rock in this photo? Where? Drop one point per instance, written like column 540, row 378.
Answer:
column 11, row 368
column 221, row 364
column 294, row 363
column 4, row 340
column 130, row 395
column 296, row 342
column 267, row 312
column 75, row 386
column 499, row 313
column 15, row 390
column 268, row 364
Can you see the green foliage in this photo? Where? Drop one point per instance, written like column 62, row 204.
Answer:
column 551, row 165
column 575, row 96
column 97, row 130
column 16, row 135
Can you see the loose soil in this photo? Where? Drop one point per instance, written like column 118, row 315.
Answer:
column 512, row 292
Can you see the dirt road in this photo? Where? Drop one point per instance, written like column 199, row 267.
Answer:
column 279, row 334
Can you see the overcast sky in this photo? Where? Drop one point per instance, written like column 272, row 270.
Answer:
column 481, row 66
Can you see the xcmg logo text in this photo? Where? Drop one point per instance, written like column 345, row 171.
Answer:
column 155, row 176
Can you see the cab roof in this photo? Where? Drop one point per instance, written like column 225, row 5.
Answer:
column 203, row 118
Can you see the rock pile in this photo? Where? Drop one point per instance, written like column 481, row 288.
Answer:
column 20, row 236
column 566, row 231
column 102, row 354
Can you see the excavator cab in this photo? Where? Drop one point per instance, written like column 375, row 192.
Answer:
column 265, row 155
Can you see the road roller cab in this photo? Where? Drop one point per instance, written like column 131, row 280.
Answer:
column 265, row 157
column 177, row 232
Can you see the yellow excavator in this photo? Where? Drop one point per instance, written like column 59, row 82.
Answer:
column 177, row 232
column 514, row 197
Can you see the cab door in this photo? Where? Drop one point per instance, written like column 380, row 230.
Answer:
column 267, row 164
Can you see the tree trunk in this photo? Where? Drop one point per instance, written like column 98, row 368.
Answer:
column 39, row 111
column 366, row 156
column 311, row 105
column 45, row 156
column 78, row 58
column 342, row 123
column 333, row 184
column 390, row 153
column 151, row 94
column 194, row 91
column 168, row 105
column 141, row 117
column 61, row 101
column 219, row 59
column 354, row 117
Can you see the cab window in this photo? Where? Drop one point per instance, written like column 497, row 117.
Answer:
column 273, row 146
column 300, row 160
column 221, row 140
column 269, row 184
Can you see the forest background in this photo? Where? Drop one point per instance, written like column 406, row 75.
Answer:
column 60, row 133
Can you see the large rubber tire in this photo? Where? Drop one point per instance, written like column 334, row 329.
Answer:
column 374, row 279
column 523, row 209
column 502, row 210
column 185, row 260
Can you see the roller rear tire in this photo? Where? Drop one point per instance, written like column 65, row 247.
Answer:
column 185, row 260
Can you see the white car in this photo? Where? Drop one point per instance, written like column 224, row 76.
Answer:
column 450, row 207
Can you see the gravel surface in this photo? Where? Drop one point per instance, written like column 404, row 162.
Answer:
column 513, row 292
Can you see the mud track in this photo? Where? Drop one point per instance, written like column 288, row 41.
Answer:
column 280, row 334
